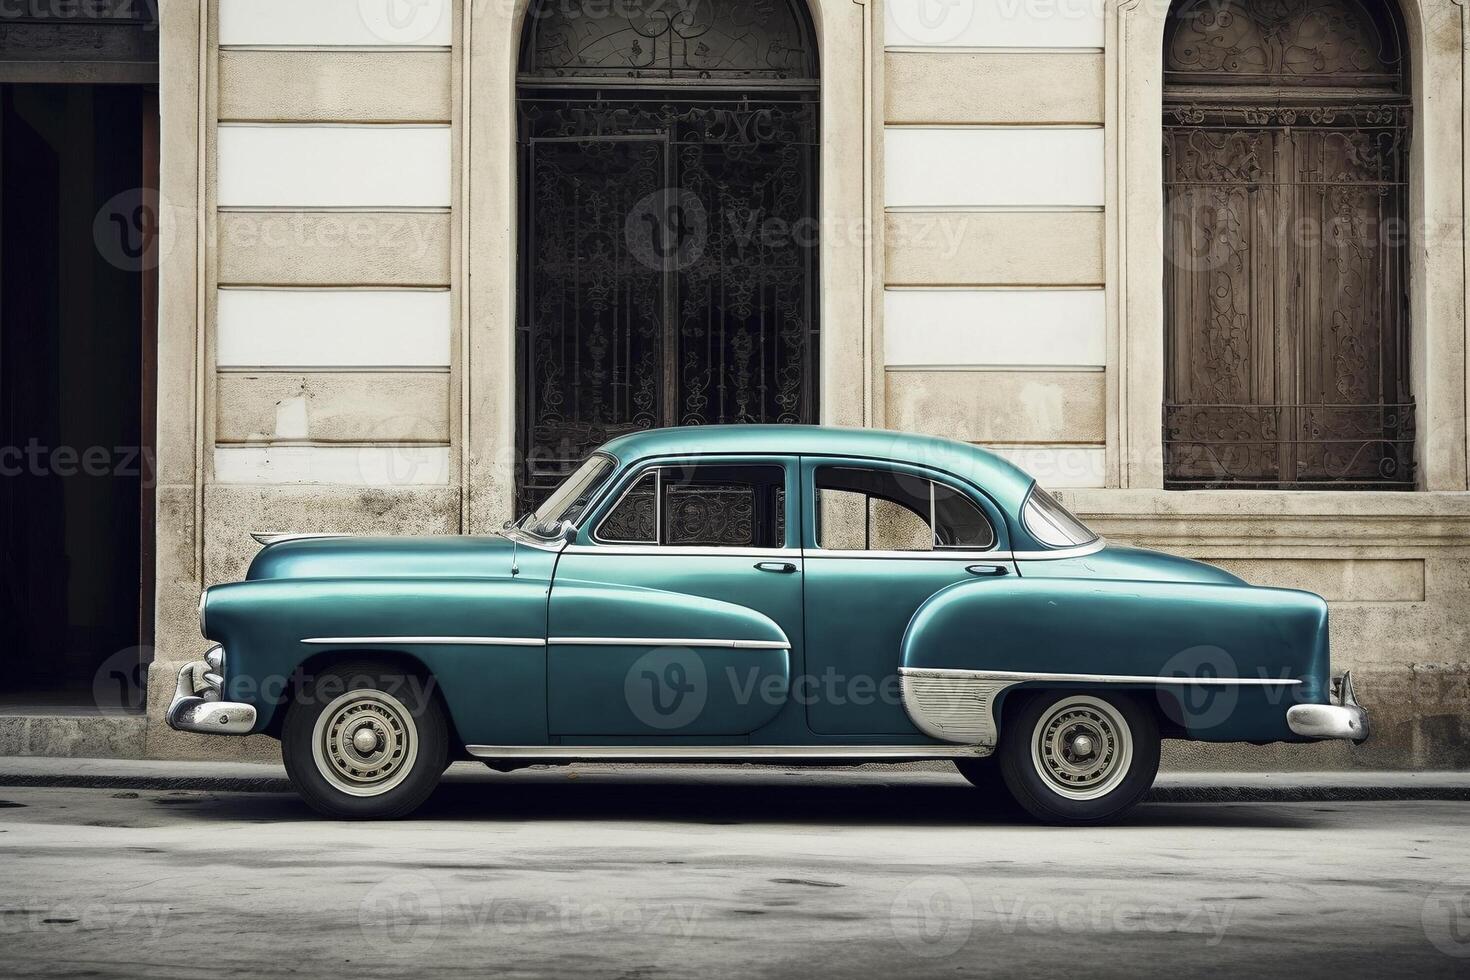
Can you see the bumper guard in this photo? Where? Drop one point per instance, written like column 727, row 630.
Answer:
column 197, row 707
column 1345, row 720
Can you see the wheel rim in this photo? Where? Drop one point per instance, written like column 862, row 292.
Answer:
column 365, row 743
column 1082, row 747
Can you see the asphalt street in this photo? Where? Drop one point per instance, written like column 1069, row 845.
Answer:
column 573, row 873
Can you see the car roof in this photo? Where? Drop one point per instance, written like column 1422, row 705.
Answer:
column 1005, row 482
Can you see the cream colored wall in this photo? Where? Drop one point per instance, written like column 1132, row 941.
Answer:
column 1396, row 567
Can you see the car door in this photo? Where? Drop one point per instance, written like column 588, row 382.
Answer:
column 879, row 538
column 677, row 611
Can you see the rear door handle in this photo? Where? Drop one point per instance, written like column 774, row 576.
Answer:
column 986, row 570
column 782, row 567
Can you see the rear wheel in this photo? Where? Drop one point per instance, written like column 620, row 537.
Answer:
column 365, row 740
column 1074, row 758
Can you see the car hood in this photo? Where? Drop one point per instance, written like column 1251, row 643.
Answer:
column 397, row 557
column 1141, row 565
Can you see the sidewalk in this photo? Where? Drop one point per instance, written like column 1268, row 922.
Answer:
column 1201, row 787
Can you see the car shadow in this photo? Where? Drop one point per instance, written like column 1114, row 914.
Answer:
column 714, row 799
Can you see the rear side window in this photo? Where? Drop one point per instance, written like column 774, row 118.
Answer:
column 1051, row 523
column 862, row 509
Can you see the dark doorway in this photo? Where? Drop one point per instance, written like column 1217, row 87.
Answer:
column 78, row 179
column 669, row 161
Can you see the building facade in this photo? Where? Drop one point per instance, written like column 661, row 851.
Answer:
column 1199, row 266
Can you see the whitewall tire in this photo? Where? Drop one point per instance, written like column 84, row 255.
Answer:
column 1071, row 757
column 365, row 740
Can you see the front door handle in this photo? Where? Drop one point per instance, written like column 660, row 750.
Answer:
column 986, row 570
column 781, row 567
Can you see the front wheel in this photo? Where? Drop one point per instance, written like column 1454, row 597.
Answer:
column 1073, row 758
column 365, row 741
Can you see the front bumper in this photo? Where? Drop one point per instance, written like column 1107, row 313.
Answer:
column 197, row 707
column 1345, row 720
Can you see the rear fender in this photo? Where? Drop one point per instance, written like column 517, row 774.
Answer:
column 1222, row 661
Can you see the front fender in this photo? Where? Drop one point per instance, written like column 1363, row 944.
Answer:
column 1248, row 653
column 495, row 694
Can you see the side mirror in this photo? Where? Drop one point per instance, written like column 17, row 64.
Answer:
column 567, row 532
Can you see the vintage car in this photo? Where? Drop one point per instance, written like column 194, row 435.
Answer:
column 765, row 594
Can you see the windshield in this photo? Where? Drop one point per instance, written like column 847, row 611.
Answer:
column 570, row 500
column 1051, row 523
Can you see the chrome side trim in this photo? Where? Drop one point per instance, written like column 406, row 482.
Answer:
column 276, row 537
column 1081, row 551
column 958, row 705
column 467, row 641
column 723, row 753
column 659, row 641
column 952, row 708
column 1021, row 677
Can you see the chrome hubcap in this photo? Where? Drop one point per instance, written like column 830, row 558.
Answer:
column 1082, row 747
column 365, row 742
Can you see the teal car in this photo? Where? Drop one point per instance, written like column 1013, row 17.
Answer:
column 759, row 594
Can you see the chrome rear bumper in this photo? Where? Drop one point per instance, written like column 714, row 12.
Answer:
column 1345, row 720
column 197, row 707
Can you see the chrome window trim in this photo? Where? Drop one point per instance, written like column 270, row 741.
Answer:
column 477, row 641
column 679, row 550
column 933, row 481
column 740, row 753
column 941, row 554
column 1022, row 677
column 658, row 503
column 660, row 641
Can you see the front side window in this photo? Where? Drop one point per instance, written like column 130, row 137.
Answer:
column 708, row 505
column 1051, row 523
column 569, row 501
column 858, row 509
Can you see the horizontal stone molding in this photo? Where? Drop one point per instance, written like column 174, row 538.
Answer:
column 334, row 248
column 349, row 407
column 993, row 248
column 231, row 513
column 999, row 406
column 335, row 86
column 993, row 87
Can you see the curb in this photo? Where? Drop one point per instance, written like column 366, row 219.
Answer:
column 1165, row 793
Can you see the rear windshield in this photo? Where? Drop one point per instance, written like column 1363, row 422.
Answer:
column 1051, row 523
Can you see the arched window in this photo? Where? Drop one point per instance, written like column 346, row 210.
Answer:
column 668, row 232
column 1286, row 149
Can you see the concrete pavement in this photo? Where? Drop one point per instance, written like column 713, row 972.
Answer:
column 768, row 873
